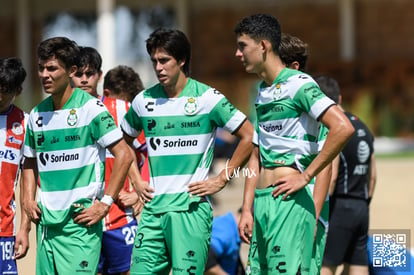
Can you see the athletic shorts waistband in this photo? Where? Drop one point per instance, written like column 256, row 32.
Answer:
column 263, row 192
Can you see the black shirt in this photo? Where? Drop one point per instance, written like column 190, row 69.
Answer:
column 355, row 162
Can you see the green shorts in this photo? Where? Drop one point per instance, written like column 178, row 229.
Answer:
column 282, row 240
column 68, row 248
column 177, row 240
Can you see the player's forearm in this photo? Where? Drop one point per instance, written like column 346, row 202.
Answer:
column 133, row 172
column 242, row 152
column 122, row 163
column 340, row 131
column 336, row 139
column 321, row 188
column 251, row 180
column 28, row 190
column 25, row 224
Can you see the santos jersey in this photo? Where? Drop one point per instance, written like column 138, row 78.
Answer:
column 69, row 146
column 180, row 135
column 287, row 125
column 355, row 162
column 12, row 131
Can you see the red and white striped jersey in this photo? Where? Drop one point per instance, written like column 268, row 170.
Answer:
column 12, row 132
column 118, row 216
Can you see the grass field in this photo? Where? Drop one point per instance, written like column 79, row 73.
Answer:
column 390, row 208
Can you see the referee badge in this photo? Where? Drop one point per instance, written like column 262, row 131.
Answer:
column 190, row 107
column 72, row 118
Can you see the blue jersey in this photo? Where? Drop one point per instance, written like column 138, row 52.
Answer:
column 225, row 241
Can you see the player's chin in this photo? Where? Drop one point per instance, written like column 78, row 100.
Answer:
column 249, row 68
column 48, row 90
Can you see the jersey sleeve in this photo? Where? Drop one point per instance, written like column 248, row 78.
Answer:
column 312, row 100
column 224, row 114
column 104, row 128
column 132, row 124
column 29, row 140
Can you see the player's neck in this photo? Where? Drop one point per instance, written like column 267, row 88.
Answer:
column 175, row 90
column 60, row 99
column 271, row 69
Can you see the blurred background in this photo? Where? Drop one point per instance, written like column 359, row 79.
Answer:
column 367, row 45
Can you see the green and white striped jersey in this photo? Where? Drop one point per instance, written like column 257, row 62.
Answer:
column 69, row 146
column 180, row 134
column 287, row 125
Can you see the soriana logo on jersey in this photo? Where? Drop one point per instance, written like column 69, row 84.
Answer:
column 72, row 119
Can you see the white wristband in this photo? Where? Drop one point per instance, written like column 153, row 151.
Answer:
column 108, row 200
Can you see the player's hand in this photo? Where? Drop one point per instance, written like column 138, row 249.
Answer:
column 137, row 207
column 144, row 191
column 206, row 187
column 91, row 215
column 32, row 210
column 127, row 199
column 246, row 226
column 289, row 185
column 21, row 245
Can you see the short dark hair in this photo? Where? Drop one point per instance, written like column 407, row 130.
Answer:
column 329, row 87
column 174, row 42
column 61, row 48
column 123, row 79
column 261, row 26
column 12, row 74
column 90, row 57
column 293, row 49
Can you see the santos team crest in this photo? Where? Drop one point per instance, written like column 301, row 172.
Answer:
column 277, row 92
column 190, row 108
column 72, row 118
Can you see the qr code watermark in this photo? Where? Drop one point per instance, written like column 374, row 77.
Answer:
column 390, row 250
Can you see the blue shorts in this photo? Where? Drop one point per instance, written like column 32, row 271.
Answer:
column 116, row 249
column 7, row 261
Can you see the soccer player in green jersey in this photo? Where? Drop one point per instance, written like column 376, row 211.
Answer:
column 289, row 108
column 179, row 116
column 120, row 223
column 294, row 54
column 66, row 138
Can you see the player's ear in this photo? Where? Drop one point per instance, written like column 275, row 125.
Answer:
column 19, row 90
column 72, row 70
column 294, row 65
column 266, row 45
column 106, row 93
